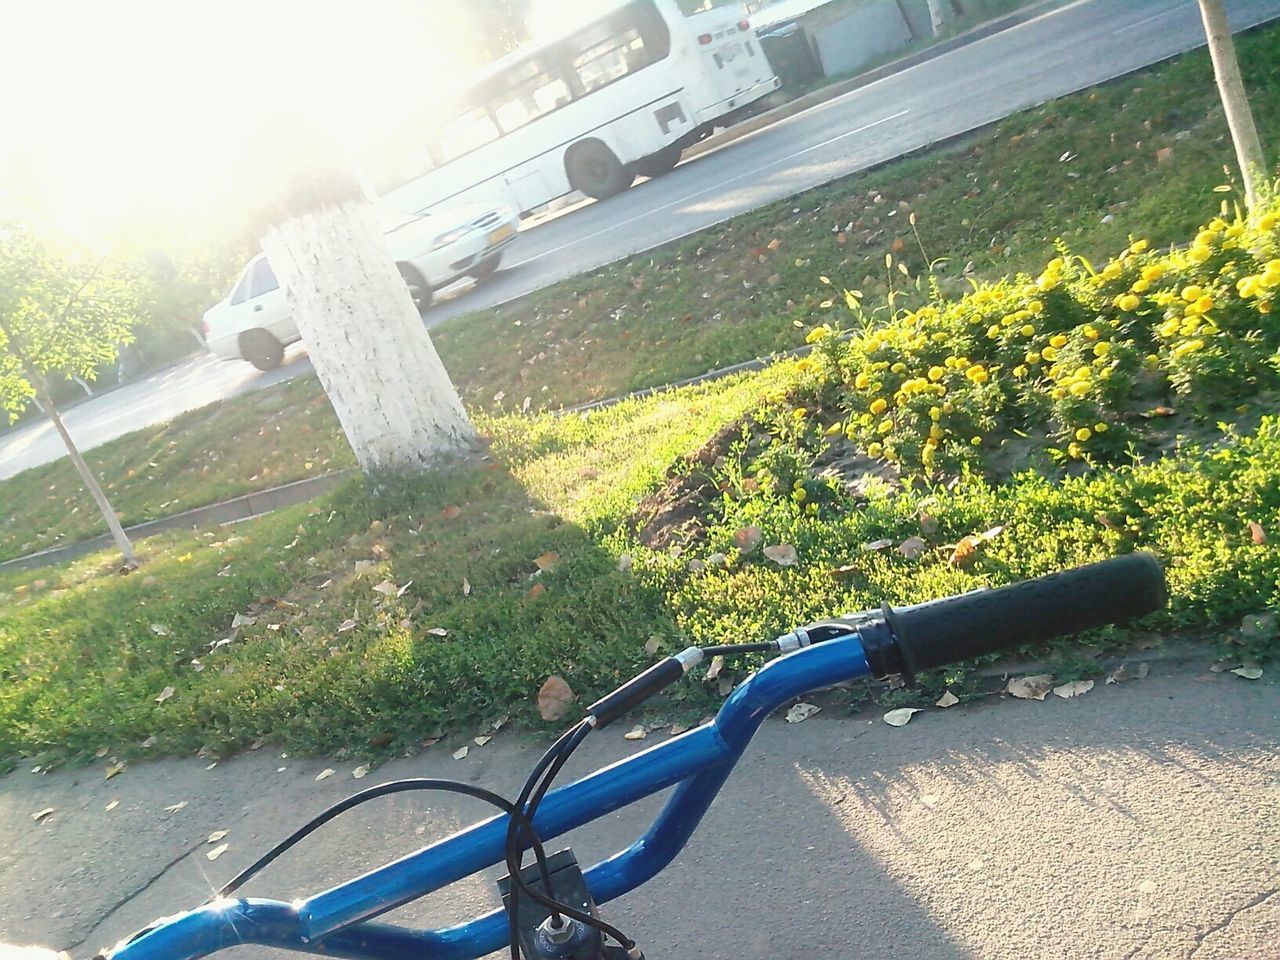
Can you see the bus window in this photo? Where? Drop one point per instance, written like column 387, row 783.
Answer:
column 527, row 91
column 612, row 48
column 465, row 133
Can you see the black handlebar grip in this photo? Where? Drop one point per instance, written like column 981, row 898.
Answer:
column 960, row 628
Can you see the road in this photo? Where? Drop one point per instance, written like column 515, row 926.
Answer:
column 1065, row 50
column 1137, row 821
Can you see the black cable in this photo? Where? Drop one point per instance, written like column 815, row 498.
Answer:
column 382, row 789
column 729, row 649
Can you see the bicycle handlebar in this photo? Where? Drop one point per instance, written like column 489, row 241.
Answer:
column 337, row 922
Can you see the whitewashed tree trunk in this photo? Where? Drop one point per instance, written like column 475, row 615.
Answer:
column 940, row 11
column 393, row 396
column 1244, row 134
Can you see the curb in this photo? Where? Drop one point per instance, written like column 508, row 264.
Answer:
column 839, row 88
column 244, row 507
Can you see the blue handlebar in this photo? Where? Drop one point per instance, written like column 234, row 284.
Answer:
column 338, row 922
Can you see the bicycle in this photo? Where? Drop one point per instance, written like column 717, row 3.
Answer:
column 551, row 905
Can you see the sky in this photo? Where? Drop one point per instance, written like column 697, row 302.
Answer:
column 122, row 113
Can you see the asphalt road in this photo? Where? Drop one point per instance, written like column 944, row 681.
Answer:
column 1065, row 50
column 1138, row 821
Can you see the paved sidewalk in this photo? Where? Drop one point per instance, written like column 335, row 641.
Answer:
column 1141, row 820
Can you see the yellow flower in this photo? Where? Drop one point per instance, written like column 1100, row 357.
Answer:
column 1100, row 427
column 885, row 426
column 1049, row 353
column 1101, row 349
column 935, row 432
column 935, row 413
column 1247, row 287
column 1058, row 340
column 1141, row 286
column 976, row 441
column 1191, row 346
column 936, row 373
column 1036, row 307
column 993, row 331
column 1033, row 356
column 927, row 456
column 862, row 380
column 1020, row 371
column 799, row 493
column 1264, row 306
column 948, row 407
column 799, row 413
column 1026, row 330
column 1205, row 238
column 1075, row 450
column 898, row 367
column 890, row 452
column 1199, row 254
column 1203, row 305
column 1139, row 246
column 977, row 374
column 1079, row 388
column 879, row 405
column 1111, row 271
column 1083, row 434
column 818, row 333
column 834, row 429
column 874, row 450
column 1152, row 273
column 1268, row 221
column 1129, row 302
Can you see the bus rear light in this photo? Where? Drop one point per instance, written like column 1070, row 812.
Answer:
column 744, row 24
column 704, row 39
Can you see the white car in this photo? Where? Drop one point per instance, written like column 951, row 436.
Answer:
column 255, row 323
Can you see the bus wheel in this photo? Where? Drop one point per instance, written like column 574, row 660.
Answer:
column 593, row 169
column 657, row 164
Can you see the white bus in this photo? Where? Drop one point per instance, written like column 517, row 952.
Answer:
column 617, row 96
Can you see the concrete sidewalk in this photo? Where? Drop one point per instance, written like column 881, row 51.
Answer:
column 1140, row 820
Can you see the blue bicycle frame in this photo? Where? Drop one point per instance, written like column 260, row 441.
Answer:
column 338, row 922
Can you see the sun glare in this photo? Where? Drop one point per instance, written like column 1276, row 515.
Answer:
column 126, row 112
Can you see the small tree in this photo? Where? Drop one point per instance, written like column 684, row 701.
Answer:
column 1226, row 68
column 60, row 317
column 366, row 340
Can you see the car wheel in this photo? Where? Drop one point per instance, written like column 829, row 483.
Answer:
column 261, row 349
column 662, row 162
column 419, row 289
column 595, row 170
column 486, row 267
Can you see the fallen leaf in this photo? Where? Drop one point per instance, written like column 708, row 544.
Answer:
column 451, row 512
column 843, row 571
column 900, row 717
column 928, row 524
column 41, row 814
column 713, row 671
column 216, row 836
column 217, row 851
column 548, row 561
column 876, row 545
column 537, row 590
column 500, row 722
column 347, row 624
column 461, row 752
column 964, row 551
column 401, row 590
column 437, row 632
column 175, row 807
column 677, row 729
column 150, row 742
column 165, row 694
column 481, row 740
column 801, row 712
column 554, row 698
column 783, row 554
column 100, row 752
column 746, row 539
column 774, row 244
column 724, row 686
column 112, row 805
column 325, row 774
column 1073, row 689
column 1249, row 673
column 992, row 533
column 948, row 699
column 115, row 769
column 911, row 547
column 240, row 620
column 1034, row 687
column 1143, row 670
column 466, row 587
column 159, row 629
column 386, row 588
column 624, row 563
column 637, row 732
column 381, row 739
column 1257, row 533
column 362, row 566
column 651, row 645
column 360, row 772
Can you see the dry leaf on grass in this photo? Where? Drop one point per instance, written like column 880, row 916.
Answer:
column 437, row 632
column 360, row 772
column 537, row 590
column 1034, row 687
column 1073, row 689
column 165, row 694
column 461, row 752
column 386, row 588
column 677, row 729
column 875, row 545
column 115, row 769
column 554, row 698
column 216, row 836
column 624, row 563
column 175, row 807
column 325, row 774
column 217, row 851
column 466, row 587
column 912, row 547
column 481, row 740
column 637, row 732
column 41, row 814
column 948, row 699
column 900, row 717
column 1248, row 672
column 783, row 554
column 159, row 629
column 801, row 712
column 112, row 805
column 1257, row 533
column 547, row 562
column 347, row 624
column 746, row 539
column 713, row 671
column 451, row 512
column 651, row 645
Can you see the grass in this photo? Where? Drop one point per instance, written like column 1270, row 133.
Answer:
column 1087, row 167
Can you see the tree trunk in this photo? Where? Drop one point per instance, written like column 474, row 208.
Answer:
column 940, row 11
column 393, row 396
column 1226, row 68
column 86, row 475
